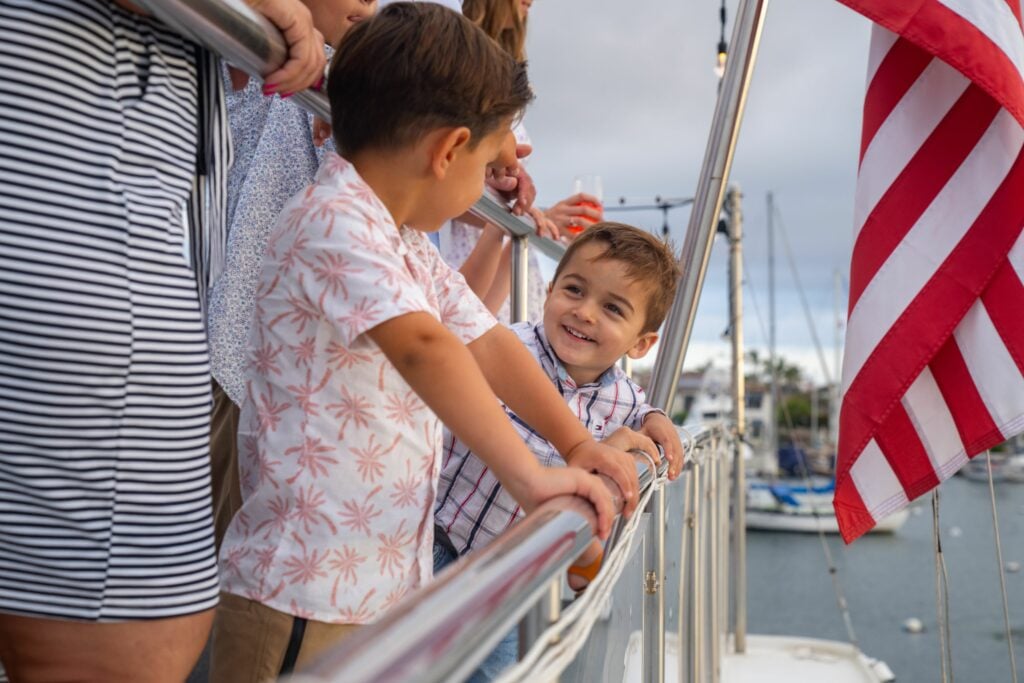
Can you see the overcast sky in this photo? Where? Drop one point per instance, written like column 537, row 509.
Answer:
column 627, row 90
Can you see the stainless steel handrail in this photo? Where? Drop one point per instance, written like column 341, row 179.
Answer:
column 443, row 631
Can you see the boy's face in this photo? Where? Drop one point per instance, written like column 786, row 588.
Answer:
column 459, row 172
column 594, row 314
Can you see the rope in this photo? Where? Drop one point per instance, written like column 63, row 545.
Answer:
column 941, row 595
column 561, row 642
column 1002, row 574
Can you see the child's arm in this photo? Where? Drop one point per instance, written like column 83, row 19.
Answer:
column 483, row 262
column 442, row 371
column 519, row 381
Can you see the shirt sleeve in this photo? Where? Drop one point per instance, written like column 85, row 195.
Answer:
column 644, row 409
column 342, row 263
column 462, row 312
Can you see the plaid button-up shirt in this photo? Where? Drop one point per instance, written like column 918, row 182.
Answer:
column 472, row 507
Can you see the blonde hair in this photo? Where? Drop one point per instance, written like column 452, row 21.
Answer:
column 500, row 20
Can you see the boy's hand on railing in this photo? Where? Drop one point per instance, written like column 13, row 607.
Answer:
column 304, row 66
column 571, row 481
column 611, row 459
column 664, row 433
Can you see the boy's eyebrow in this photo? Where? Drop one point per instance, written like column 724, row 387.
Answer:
column 617, row 297
column 623, row 300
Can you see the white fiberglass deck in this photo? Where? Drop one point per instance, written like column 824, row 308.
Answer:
column 792, row 659
column 786, row 659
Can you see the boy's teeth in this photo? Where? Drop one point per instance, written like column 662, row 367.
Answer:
column 577, row 334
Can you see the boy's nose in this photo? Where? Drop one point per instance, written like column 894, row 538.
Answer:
column 585, row 311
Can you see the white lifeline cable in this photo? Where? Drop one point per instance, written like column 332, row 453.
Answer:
column 1002, row 574
column 547, row 659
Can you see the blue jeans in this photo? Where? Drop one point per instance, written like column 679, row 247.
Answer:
column 505, row 653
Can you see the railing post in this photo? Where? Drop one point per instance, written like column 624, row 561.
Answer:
column 654, row 591
column 520, row 270
column 714, row 549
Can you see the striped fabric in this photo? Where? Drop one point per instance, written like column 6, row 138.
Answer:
column 932, row 373
column 104, row 378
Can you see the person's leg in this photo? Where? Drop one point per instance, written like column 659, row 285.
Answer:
column 249, row 641
column 319, row 638
column 504, row 655
column 149, row 651
column 227, row 495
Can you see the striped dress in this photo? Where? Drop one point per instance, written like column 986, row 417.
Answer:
column 104, row 376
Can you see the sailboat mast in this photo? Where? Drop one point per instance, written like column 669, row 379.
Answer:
column 732, row 205
column 837, row 372
column 773, row 428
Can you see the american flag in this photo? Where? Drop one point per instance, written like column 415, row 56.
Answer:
column 932, row 373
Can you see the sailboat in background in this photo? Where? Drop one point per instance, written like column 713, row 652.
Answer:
column 801, row 499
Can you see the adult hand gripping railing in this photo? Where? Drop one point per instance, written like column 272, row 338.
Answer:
column 247, row 40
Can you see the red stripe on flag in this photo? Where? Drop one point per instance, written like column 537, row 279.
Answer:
column 851, row 513
column 944, row 33
column 971, row 416
column 918, row 184
column 901, row 445
column 1004, row 302
column 902, row 65
column 929, row 320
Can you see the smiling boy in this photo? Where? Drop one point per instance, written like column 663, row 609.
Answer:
column 610, row 293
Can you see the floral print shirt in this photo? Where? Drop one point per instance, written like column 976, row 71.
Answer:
column 339, row 458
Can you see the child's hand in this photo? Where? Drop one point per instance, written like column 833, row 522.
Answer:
column 664, row 433
column 321, row 131
column 611, row 459
column 572, row 481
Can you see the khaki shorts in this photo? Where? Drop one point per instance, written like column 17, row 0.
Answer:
column 227, row 496
column 251, row 641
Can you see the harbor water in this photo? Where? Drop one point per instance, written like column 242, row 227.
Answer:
column 890, row 578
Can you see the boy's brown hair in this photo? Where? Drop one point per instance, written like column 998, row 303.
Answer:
column 416, row 67
column 647, row 259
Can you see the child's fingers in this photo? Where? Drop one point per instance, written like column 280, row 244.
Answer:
column 594, row 490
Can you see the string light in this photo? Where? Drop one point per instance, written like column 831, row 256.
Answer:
column 723, row 48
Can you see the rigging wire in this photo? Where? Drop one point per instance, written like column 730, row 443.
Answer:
column 803, row 296
column 941, row 595
column 1002, row 574
column 833, row 570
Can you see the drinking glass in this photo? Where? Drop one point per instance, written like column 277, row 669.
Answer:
column 589, row 184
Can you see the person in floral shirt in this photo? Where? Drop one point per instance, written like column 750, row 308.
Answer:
column 364, row 340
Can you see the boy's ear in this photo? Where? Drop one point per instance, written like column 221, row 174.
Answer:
column 642, row 345
column 449, row 144
column 551, row 287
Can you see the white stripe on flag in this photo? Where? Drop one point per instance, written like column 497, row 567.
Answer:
column 996, row 20
column 906, row 128
column 1016, row 258
column 992, row 368
column 934, row 425
column 876, row 482
column 941, row 227
column 882, row 41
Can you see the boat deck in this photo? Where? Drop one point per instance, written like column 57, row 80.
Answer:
column 801, row 660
